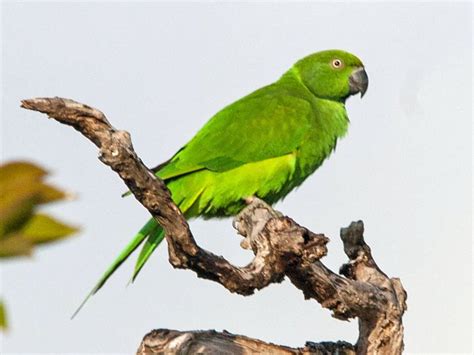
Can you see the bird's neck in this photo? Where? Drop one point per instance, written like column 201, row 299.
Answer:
column 328, row 111
column 292, row 77
column 329, row 124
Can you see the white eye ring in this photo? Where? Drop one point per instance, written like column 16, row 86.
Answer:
column 336, row 63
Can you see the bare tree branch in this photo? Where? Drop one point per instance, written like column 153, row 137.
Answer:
column 166, row 341
column 281, row 248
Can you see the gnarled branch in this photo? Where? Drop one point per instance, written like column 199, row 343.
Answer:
column 281, row 248
column 166, row 341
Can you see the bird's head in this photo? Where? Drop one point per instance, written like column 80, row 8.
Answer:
column 333, row 74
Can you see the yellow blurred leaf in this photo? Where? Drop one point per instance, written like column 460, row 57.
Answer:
column 48, row 193
column 16, row 206
column 18, row 169
column 18, row 176
column 15, row 245
column 42, row 228
column 3, row 317
column 21, row 189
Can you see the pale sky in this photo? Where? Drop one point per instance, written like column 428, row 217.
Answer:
column 160, row 70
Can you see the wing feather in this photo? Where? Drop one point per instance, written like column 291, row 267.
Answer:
column 252, row 129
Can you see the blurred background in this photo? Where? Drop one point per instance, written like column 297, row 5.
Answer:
column 160, row 71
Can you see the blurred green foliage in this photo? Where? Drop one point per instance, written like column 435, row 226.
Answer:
column 22, row 191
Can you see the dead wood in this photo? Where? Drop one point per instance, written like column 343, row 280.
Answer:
column 282, row 248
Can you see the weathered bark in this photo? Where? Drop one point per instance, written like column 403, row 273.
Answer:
column 281, row 248
column 168, row 341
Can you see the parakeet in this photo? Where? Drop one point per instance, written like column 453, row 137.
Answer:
column 263, row 145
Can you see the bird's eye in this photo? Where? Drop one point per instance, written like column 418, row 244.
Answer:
column 337, row 63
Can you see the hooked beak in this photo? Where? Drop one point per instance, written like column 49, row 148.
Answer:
column 358, row 82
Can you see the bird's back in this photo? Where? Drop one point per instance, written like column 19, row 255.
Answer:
column 263, row 145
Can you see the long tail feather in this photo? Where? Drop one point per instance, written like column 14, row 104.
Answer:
column 157, row 235
column 155, row 238
column 129, row 249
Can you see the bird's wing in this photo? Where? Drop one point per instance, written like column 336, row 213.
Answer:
column 251, row 129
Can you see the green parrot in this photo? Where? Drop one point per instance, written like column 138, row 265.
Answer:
column 264, row 145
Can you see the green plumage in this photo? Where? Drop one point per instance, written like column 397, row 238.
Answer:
column 263, row 145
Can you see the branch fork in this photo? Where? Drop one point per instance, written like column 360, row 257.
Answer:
column 281, row 248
